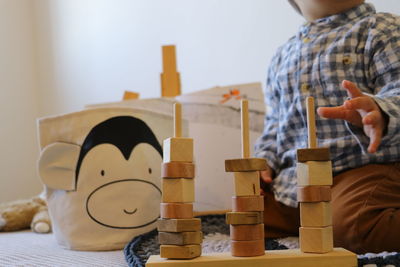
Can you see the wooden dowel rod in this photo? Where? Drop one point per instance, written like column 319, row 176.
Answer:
column 177, row 119
column 245, row 128
column 312, row 134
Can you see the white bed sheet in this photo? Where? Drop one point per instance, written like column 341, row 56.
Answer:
column 29, row 249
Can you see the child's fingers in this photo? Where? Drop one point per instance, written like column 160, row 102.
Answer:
column 375, row 140
column 373, row 118
column 332, row 112
column 352, row 90
column 363, row 103
column 262, row 192
column 266, row 176
column 340, row 113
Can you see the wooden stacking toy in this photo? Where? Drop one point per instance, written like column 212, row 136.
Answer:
column 314, row 172
column 179, row 233
column 246, row 219
column 314, row 178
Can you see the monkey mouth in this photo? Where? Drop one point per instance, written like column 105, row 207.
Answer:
column 130, row 212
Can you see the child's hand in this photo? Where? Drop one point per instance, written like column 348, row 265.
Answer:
column 266, row 177
column 362, row 111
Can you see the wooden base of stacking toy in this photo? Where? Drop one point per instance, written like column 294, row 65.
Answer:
column 282, row 258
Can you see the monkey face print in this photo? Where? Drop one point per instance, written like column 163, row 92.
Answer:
column 106, row 190
column 118, row 167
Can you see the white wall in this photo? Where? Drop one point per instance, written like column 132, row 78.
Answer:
column 18, row 81
column 90, row 51
column 99, row 48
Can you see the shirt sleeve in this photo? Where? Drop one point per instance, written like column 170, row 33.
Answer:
column 265, row 146
column 384, row 77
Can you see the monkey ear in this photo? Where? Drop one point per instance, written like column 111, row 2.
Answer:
column 57, row 165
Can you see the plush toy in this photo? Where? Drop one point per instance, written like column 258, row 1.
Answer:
column 25, row 214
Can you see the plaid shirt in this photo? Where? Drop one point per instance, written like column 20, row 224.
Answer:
column 359, row 45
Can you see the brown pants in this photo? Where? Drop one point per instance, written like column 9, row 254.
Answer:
column 365, row 205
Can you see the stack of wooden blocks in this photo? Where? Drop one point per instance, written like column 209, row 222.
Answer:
column 179, row 234
column 246, row 219
column 314, row 178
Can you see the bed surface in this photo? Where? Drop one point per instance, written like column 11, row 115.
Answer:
column 30, row 249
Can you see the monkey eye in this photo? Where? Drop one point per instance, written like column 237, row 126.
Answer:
column 102, row 172
column 150, row 170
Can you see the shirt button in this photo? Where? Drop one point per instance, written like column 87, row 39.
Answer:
column 305, row 88
column 347, row 60
column 306, row 40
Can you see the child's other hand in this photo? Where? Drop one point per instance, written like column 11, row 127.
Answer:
column 266, row 178
column 362, row 111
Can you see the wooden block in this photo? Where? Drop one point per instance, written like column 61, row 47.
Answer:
column 314, row 173
column 178, row 149
column 179, row 225
column 316, row 240
column 247, row 232
column 315, row 214
column 314, row 193
column 180, row 239
column 244, row 217
column 170, row 78
column 245, row 165
column 177, row 170
column 313, row 154
column 177, row 190
column 248, row 248
column 247, row 183
column 282, row 258
column 176, row 210
column 248, row 203
column 180, row 252
column 130, row 95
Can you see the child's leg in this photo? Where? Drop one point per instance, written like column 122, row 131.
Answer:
column 279, row 220
column 366, row 208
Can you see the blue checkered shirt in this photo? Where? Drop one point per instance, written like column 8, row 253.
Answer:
column 359, row 45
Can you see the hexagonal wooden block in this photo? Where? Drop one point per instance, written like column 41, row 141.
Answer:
column 245, row 165
column 315, row 214
column 314, row 173
column 315, row 154
column 177, row 190
column 250, row 217
column 247, row 183
column 316, row 240
column 180, row 239
column 178, row 149
column 180, row 252
column 179, row 225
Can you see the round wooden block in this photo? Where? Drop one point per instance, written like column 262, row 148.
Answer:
column 248, row 203
column 247, row 248
column 247, row 232
column 177, row 170
column 313, row 193
column 176, row 210
column 245, row 165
